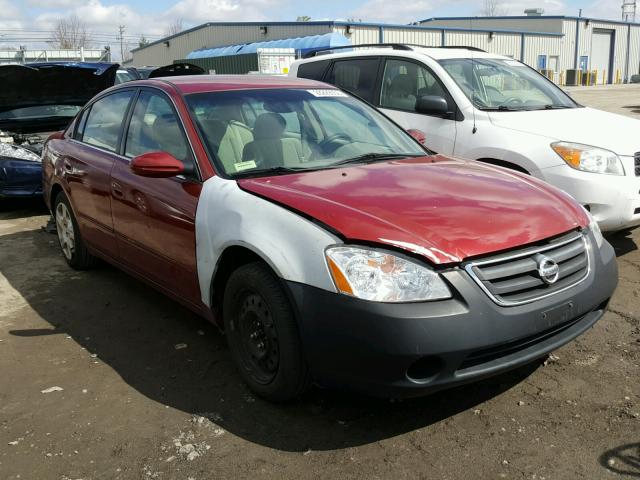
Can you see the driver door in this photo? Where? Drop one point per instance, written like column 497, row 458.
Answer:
column 154, row 218
column 403, row 81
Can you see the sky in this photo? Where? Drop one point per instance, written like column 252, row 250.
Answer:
column 28, row 22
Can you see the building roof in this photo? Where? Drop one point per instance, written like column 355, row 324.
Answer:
column 529, row 17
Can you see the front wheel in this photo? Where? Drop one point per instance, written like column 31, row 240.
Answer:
column 262, row 334
column 71, row 244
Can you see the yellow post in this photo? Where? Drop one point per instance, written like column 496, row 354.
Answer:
column 579, row 77
column 604, row 77
column 561, row 78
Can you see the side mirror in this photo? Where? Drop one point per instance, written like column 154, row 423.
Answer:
column 156, row 165
column 418, row 135
column 432, row 105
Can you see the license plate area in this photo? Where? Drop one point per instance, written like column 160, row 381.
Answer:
column 557, row 315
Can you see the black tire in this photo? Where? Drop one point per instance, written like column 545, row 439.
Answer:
column 77, row 255
column 256, row 311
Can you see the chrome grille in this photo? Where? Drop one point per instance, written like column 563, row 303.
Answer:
column 514, row 278
column 636, row 159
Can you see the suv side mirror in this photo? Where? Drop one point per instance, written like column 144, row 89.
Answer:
column 432, row 105
column 156, row 165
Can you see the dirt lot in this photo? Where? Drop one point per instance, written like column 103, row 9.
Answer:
column 101, row 377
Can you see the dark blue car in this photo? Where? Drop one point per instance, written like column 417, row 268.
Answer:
column 37, row 99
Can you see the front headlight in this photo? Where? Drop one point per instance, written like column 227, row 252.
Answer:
column 589, row 159
column 382, row 277
column 595, row 229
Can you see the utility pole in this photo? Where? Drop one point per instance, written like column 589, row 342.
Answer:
column 121, row 29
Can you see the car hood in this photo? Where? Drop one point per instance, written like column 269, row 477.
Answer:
column 43, row 84
column 580, row 125
column 445, row 210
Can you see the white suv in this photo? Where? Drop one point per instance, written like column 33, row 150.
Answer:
column 481, row 106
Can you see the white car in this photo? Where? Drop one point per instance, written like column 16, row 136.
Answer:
column 480, row 106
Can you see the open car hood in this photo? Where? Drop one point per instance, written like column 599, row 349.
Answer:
column 43, row 84
column 445, row 210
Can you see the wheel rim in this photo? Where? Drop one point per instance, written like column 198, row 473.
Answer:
column 64, row 227
column 258, row 338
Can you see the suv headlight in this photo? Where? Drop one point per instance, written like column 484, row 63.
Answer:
column 589, row 159
column 382, row 277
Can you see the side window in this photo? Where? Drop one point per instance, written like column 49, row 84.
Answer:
column 104, row 121
column 313, row 70
column 403, row 82
column 155, row 127
column 82, row 121
column 356, row 76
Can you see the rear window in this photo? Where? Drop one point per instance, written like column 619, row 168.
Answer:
column 313, row 70
column 355, row 76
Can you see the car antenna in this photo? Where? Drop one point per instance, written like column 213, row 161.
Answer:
column 473, row 83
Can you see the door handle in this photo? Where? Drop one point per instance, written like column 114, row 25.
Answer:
column 116, row 189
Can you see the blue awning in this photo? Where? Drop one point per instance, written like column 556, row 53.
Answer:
column 303, row 45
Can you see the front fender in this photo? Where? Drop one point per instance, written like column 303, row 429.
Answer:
column 229, row 216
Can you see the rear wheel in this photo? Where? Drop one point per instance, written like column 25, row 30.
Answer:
column 262, row 334
column 71, row 244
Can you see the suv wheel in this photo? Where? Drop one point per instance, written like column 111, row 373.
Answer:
column 262, row 334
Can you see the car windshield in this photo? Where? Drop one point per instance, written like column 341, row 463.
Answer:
column 44, row 111
column 264, row 131
column 505, row 85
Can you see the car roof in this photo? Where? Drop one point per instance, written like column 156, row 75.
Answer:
column 214, row 83
column 436, row 53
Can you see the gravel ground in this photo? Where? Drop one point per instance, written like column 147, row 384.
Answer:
column 103, row 378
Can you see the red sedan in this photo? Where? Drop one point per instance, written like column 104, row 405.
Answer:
column 329, row 244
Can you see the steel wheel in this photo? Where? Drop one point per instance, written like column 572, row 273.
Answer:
column 64, row 226
column 258, row 337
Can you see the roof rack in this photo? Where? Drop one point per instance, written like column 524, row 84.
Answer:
column 393, row 46
column 464, row 47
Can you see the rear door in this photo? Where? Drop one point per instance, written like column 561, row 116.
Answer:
column 154, row 218
column 403, row 82
column 356, row 75
column 86, row 167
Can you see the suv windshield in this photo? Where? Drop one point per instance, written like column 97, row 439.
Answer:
column 264, row 131
column 504, row 84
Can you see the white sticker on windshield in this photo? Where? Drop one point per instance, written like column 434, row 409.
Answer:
column 241, row 166
column 514, row 63
column 327, row 93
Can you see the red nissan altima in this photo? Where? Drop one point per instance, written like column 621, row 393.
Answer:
column 330, row 246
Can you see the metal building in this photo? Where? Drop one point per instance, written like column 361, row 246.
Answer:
column 561, row 47
column 608, row 49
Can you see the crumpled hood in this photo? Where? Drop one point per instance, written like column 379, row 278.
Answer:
column 446, row 210
column 52, row 84
column 589, row 126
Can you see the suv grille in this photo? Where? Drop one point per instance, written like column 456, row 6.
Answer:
column 636, row 158
column 515, row 278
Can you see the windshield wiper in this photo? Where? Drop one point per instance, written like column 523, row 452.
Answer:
column 501, row 108
column 280, row 170
column 553, row 107
column 373, row 157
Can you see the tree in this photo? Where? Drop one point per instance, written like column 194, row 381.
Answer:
column 174, row 27
column 303, row 18
column 69, row 33
column 493, row 8
column 143, row 42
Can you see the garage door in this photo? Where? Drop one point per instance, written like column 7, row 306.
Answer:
column 601, row 52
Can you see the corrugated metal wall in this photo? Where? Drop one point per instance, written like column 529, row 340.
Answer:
column 532, row 24
column 429, row 38
column 359, row 34
column 535, row 45
column 634, row 51
column 221, row 35
column 501, row 43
